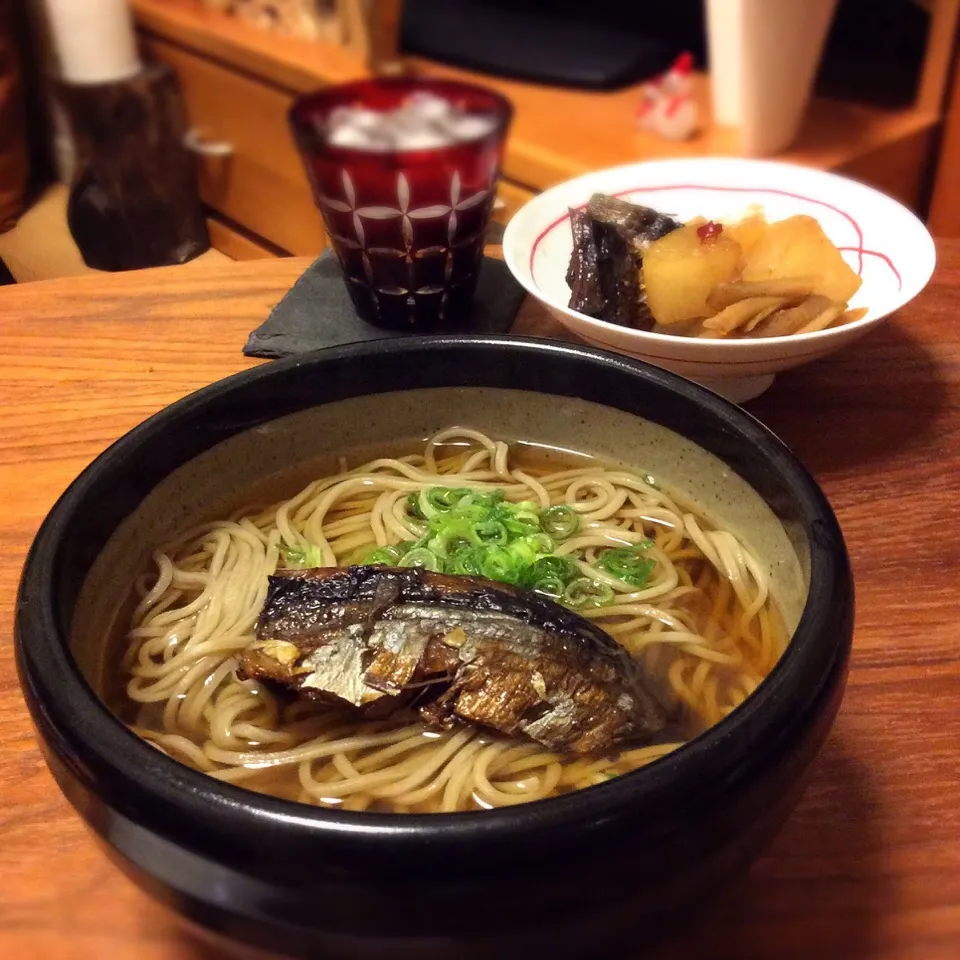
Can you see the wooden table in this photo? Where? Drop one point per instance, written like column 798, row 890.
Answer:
column 868, row 866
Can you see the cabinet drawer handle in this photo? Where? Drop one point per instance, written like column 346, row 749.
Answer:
column 194, row 142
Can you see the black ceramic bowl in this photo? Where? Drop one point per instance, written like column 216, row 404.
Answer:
column 557, row 877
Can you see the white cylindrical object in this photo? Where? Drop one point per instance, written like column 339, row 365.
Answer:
column 93, row 39
column 763, row 59
column 725, row 38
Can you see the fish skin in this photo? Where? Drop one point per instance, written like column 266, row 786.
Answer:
column 467, row 650
column 583, row 276
column 604, row 273
column 639, row 225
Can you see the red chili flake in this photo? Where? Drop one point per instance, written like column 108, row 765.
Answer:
column 709, row 231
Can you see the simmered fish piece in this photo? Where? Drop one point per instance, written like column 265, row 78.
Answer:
column 583, row 276
column 638, row 225
column 460, row 649
column 604, row 273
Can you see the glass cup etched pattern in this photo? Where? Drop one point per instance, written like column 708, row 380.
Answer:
column 407, row 225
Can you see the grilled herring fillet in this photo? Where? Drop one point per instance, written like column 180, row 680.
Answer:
column 459, row 649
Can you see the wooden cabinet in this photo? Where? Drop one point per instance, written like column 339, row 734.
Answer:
column 250, row 171
column 510, row 198
column 944, row 218
column 238, row 83
column 251, row 176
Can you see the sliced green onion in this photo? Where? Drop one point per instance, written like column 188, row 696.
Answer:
column 432, row 501
column 487, row 499
column 420, row 557
column 538, row 542
column 413, row 506
column 584, row 592
column 446, row 545
column 629, row 564
column 498, row 563
column 450, row 535
column 305, row 555
column 427, row 511
column 550, row 569
column 560, row 522
column 519, row 518
column 445, row 498
column 529, row 549
column 492, row 531
column 480, row 533
column 293, row 555
column 390, row 556
column 476, row 505
column 466, row 562
column 359, row 554
column 551, row 587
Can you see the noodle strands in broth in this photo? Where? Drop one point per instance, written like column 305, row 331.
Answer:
column 477, row 652
column 682, row 597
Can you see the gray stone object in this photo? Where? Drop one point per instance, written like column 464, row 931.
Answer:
column 317, row 311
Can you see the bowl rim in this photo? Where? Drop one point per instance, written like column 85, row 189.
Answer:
column 512, row 249
column 73, row 717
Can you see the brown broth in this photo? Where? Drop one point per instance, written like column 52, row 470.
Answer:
column 537, row 460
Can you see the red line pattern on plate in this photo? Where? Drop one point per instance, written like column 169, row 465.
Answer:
column 876, row 253
column 858, row 250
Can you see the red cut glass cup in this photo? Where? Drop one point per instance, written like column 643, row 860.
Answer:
column 406, row 225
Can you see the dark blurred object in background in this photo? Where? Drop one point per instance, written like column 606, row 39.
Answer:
column 133, row 198
column 873, row 53
column 133, row 202
column 14, row 165
column 607, row 44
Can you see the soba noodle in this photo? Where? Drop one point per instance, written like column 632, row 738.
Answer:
column 703, row 623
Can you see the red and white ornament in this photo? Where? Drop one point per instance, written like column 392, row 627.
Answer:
column 667, row 105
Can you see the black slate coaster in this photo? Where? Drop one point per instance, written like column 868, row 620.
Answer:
column 317, row 311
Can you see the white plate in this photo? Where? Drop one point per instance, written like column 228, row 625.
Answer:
column 883, row 241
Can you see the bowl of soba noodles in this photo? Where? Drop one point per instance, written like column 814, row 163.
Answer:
column 437, row 647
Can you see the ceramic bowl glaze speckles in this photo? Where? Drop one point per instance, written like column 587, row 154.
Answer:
column 882, row 240
column 563, row 877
